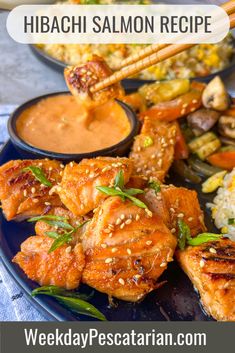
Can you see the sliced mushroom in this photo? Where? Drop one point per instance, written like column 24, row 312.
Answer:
column 227, row 126
column 215, row 95
column 202, row 120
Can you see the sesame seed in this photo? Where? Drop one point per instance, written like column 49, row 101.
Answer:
column 202, row 263
column 136, row 277
column 25, row 193
column 159, row 113
column 82, row 206
column 111, row 226
column 148, row 242
column 194, row 101
column 180, row 215
column 100, row 212
column 192, row 110
column 137, row 217
column 172, row 209
column 122, row 225
column 91, row 175
column 68, row 249
column 173, row 230
column 149, row 213
column 184, row 105
column 128, row 221
column 47, row 203
column 183, row 111
column 61, row 166
column 118, row 221
column 158, row 198
column 58, row 188
column 35, row 200
column 138, row 149
column 50, row 169
column 163, row 264
column 172, row 142
column 122, row 216
column 128, row 251
column 190, row 219
column 212, row 250
column 138, row 170
column 108, row 260
column 33, row 190
column 87, row 171
column 71, row 164
column 153, row 156
column 107, row 230
column 121, row 281
column 40, row 164
column 114, row 249
column 110, row 235
column 103, row 246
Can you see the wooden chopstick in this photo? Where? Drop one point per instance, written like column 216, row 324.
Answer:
column 228, row 7
column 158, row 56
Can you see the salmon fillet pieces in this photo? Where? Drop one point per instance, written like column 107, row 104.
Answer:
column 173, row 203
column 61, row 267
column 211, row 268
column 21, row 194
column 78, row 186
column 126, row 250
column 41, row 227
column 153, row 149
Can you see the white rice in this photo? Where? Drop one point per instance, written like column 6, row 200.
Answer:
column 223, row 206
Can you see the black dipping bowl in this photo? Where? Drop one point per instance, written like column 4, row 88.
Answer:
column 30, row 152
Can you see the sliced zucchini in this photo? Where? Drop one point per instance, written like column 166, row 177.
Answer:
column 200, row 141
column 209, row 148
column 214, row 182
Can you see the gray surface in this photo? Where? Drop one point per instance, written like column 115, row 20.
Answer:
column 23, row 76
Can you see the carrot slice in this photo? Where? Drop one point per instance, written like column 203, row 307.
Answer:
column 181, row 147
column 175, row 108
column 225, row 160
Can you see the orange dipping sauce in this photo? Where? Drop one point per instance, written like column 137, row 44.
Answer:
column 57, row 124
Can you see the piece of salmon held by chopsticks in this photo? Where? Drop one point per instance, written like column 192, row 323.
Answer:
column 63, row 267
column 21, row 194
column 78, row 186
column 173, row 203
column 211, row 268
column 126, row 249
column 80, row 78
column 153, row 149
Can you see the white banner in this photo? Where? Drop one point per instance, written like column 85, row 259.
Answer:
column 140, row 24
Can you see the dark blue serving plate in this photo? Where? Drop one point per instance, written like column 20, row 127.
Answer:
column 176, row 300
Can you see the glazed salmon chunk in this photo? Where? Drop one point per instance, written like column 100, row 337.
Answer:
column 173, row 203
column 211, row 268
column 63, row 267
column 126, row 250
column 153, row 149
column 22, row 195
column 78, row 186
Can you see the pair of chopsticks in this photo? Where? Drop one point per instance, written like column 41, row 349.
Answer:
column 152, row 55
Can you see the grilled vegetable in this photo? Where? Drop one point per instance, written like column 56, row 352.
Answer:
column 175, row 108
column 227, row 141
column 202, row 167
column 198, row 142
column 208, row 149
column 214, row 182
column 205, row 145
column 215, row 95
column 184, row 171
column 227, row 126
column 181, row 148
column 202, row 120
column 164, row 91
column 225, row 160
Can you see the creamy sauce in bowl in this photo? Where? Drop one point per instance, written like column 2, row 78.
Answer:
column 58, row 124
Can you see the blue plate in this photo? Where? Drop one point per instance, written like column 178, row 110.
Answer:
column 174, row 301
